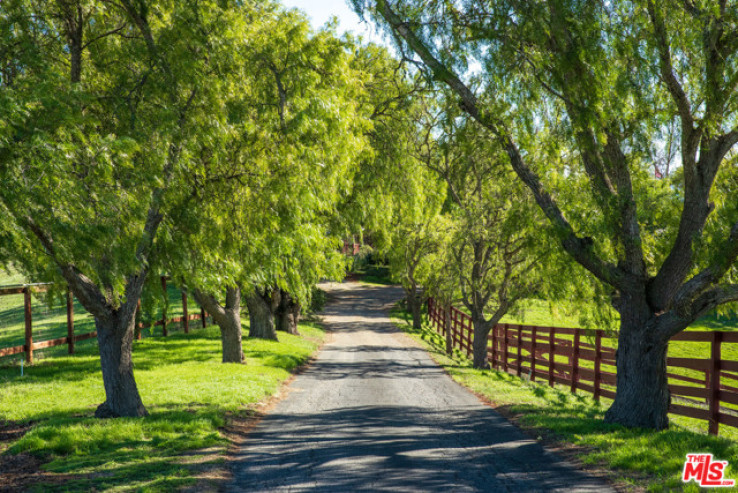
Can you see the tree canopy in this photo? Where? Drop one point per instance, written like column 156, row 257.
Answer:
column 587, row 99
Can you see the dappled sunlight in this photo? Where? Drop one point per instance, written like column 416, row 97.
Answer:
column 414, row 449
column 375, row 413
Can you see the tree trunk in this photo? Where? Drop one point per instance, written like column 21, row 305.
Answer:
column 115, row 341
column 262, row 306
column 642, row 397
column 417, row 314
column 228, row 319
column 415, row 306
column 479, row 342
column 288, row 314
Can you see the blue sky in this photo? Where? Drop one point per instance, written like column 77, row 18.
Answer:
column 320, row 11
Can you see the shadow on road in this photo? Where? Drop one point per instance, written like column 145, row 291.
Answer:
column 412, row 447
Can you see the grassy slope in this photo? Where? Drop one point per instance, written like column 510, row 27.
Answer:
column 636, row 457
column 539, row 312
column 185, row 387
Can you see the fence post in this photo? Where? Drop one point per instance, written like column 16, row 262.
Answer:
column 551, row 355
column 164, row 309
column 70, row 321
column 717, row 339
column 469, row 337
column 598, row 363
column 454, row 332
column 139, row 324
column 185, row 320
column 29, row 327
column 520, row 347
column 533, row 355
column 504, row 347
column 494, row 347
column 447, row 330
column 575, row 361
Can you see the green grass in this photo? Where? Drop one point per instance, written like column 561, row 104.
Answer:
column 540, row 312
column 639, row 458
column 373, row 273
column 188, row 392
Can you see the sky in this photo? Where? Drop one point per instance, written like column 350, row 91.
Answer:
column 320, row 11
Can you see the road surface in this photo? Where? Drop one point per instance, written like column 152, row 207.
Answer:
column 375, row 413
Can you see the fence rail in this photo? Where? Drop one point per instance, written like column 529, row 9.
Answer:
column 71, row 338
column 584, row 359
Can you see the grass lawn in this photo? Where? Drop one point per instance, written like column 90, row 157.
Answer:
column 375, row 274
column 186, row 389
column 638, row 458
column 540, row 312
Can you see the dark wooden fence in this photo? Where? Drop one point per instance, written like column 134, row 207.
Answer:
column 71, row 338
column 584, row 359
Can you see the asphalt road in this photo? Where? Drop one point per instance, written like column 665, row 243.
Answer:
column 375, row 413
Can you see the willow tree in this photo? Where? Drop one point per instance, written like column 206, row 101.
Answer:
column 495, row 247
column 272, row 184
column 395, row 199
column 416, row 194
column 585, row 98
column 108, row 104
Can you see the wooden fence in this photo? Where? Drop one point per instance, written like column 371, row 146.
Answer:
column 71, row 338
column 350, row 248
column 584, row 359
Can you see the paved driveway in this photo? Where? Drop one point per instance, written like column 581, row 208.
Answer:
column 375, row 413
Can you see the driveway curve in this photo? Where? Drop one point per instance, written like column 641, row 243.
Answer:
column 375, row 413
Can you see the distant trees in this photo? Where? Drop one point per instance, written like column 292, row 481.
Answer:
column 271, row 195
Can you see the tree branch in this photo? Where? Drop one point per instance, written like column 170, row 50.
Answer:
column 678, row 319
column 581, row 249
column 713, row 273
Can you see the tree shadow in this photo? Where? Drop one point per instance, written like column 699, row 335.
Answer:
column 386, row 448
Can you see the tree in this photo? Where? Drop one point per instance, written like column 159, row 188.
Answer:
column 269, row 188
column 417, row 195
column 109, row 104
column 495, row 248
column 228, row 317
column 395, row 199
column 319, row 134
column 383, row 181
column 580, row 96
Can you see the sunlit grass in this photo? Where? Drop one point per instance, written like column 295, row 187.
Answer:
column 187, row 390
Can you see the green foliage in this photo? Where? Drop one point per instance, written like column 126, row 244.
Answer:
column 271, row 187
column 318, row 299
column 86, row 160
column 497, row 248
column 587, row 100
